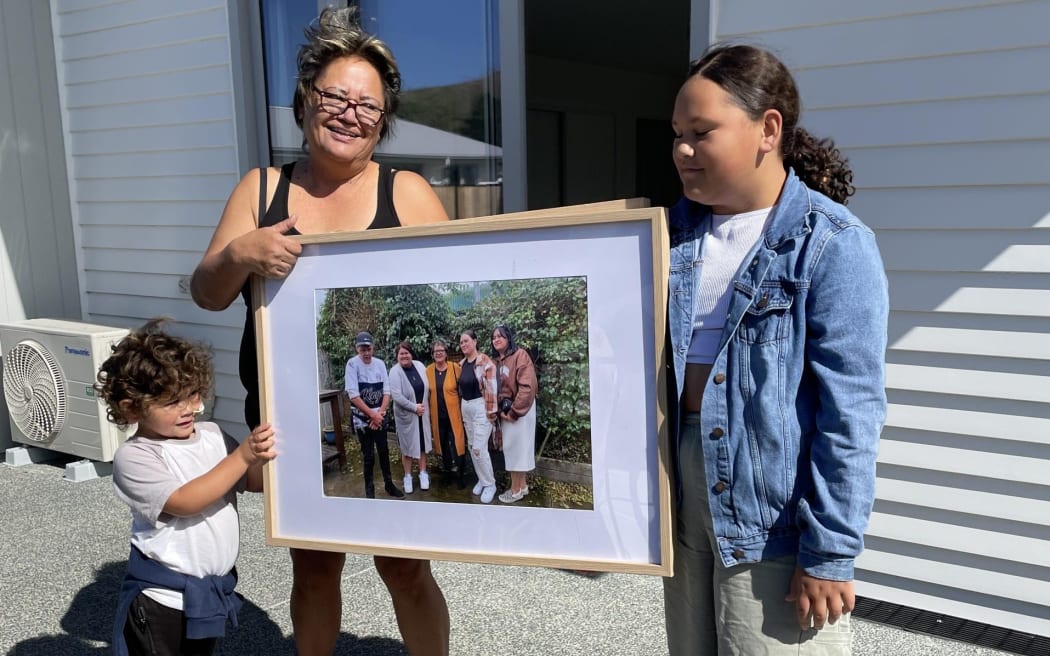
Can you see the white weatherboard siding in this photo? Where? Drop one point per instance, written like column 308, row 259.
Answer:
column 941, row 106
column 38, row 275
column 152, row 141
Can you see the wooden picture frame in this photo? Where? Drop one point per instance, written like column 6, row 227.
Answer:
column 623, row 254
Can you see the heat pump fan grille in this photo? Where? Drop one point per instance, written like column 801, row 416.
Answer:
column 35, row 391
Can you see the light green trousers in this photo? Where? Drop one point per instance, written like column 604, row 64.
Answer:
column 740, row 611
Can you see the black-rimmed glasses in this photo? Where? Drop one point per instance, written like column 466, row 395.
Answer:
column 366, row 113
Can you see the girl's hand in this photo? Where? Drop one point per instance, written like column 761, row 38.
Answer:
column 419, row 409
column 819, row 601
column 267, row 251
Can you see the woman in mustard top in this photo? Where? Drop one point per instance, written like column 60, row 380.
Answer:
column 446, row 421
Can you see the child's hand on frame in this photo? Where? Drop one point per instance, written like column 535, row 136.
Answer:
column 259, row 446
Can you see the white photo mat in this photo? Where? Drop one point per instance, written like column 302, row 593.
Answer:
column 622, row 256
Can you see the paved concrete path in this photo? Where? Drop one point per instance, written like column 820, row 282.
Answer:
column 63, row 548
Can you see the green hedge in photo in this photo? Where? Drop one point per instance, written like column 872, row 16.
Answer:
column 547, row 315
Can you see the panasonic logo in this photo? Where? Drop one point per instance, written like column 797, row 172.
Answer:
column 77, row 351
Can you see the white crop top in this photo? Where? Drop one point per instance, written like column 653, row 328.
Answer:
column 731, row 238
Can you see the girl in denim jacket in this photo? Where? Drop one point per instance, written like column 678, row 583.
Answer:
column 777, row 316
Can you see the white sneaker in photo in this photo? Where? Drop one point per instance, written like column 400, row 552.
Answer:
column 408, row 484
column 478, row 487
column 512, row 497
column 424, row 480
column 487, row 493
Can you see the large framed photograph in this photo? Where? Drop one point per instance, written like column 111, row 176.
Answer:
column 407, row 370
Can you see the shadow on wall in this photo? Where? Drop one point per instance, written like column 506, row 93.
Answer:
column 966, row 384
column 5, row 421
column 89, row 620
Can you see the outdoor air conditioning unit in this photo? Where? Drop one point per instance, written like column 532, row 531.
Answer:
column 49, row 372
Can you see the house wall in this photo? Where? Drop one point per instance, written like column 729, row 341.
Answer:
column 157, row 137
column 38, row 272
column 941, row 107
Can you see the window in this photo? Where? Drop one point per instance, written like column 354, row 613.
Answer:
column 448, row 127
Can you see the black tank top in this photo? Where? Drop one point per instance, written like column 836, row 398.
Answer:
column 386, row 217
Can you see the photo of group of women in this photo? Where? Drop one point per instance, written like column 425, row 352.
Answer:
column 473, row 392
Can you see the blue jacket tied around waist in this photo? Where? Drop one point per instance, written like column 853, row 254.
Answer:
column 208, row 602
column 791, row 415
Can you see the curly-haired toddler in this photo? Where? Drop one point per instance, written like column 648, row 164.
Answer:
column 178, row 476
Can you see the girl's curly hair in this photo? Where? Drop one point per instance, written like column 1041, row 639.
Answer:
column 756, row 81
column 149, row 368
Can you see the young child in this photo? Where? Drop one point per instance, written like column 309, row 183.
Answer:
column 179, row 478
column 777, row 318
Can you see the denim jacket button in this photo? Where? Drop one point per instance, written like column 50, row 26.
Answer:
column 763, row 302
column 717, row 433
column 719, row 379
column 738, row 553
column 720, row 486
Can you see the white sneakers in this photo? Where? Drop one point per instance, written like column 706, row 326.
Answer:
column 487, row 493
column 424, row 482
column 512, row 497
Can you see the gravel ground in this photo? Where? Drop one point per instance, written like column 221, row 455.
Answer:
column 63, row 547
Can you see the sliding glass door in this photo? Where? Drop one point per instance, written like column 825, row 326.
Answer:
column 449, row 127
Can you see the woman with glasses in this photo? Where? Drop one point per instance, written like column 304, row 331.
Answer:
column 446, row 421
column 345, row 101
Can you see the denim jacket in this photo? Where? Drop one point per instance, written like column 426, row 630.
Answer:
column 793, row 409
column 208, row 602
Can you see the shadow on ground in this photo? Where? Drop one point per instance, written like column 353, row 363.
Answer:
column 89, row 621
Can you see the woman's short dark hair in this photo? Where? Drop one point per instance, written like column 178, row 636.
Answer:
column 757, row 81
column 407, row 346
column 337, row 33
column 508, row 335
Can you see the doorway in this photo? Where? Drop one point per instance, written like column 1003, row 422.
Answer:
column 600, row 82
